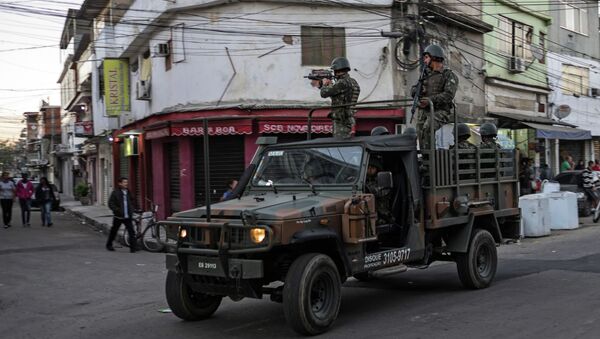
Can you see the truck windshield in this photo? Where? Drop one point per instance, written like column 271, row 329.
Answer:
column 309, row 166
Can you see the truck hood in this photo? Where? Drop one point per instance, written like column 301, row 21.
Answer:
column 271, row 206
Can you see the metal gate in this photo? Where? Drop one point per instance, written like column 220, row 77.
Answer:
column 226, row 162
column 172, row 158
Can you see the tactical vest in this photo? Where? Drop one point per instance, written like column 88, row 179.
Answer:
column 434, row 84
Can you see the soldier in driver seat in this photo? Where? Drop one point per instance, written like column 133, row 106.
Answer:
column 315, row 173
column 383, row 197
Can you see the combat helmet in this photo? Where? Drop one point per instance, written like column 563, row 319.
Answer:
column 340, row 64
column 379, row 130
column 410, row 131
column 488, row 130
column 463, row 130
column 435, row 51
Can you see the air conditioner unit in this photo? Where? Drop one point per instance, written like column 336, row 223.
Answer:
column 142, row 90
column 161, row 49
column 516, row 65
column 595, row 92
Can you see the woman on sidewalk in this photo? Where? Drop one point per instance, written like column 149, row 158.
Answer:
column 45, row 196
column 24, row 193
column 7, row 196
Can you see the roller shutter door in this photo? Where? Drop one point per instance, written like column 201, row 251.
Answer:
column 172, row 158
column 226, row 162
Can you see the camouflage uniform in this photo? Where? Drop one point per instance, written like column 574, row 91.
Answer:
column 382, row 201
column 440, row 88
column 465, row 144
column 490, row 144
column 344, row 91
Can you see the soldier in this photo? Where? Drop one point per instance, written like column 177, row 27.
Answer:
column 379, row 130
column 439, row 86
column 344, row 91
column 464, row 133
column 382, row 198
column 488, row 132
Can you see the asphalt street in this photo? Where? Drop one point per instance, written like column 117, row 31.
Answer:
column 60, row 282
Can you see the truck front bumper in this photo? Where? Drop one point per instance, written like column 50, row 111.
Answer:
column 220, row 267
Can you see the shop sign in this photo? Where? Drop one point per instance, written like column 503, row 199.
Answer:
column 212, row 130
column 323, row 128
column 84, row 129
column 116, row 86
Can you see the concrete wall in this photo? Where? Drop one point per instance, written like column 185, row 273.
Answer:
column 276, row 78
column 564, row 41
column 497, row 61
column 585, row 110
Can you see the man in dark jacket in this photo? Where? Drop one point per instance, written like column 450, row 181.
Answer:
column 121, row 204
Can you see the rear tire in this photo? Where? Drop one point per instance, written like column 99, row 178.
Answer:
column 186, row 303
column 312, row 294
column 477, row 267
column 153, row 238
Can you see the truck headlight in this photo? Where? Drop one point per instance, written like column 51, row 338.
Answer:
column 182, row 233
column 257, row 235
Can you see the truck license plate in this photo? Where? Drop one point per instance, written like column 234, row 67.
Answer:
column 205, row 266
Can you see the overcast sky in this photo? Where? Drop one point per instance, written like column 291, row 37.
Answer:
column 29, row 58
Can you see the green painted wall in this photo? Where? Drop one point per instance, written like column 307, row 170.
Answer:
column 528, row 12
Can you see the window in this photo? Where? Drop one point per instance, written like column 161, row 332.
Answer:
column 572, row 17
column 320, row 45
column 543, row 47
column 514, row 38
column 575, row 80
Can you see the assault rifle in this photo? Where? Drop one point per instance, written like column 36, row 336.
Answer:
column 417, row 97
column 320, row 74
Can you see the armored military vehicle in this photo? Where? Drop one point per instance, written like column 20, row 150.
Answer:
column 306, row 221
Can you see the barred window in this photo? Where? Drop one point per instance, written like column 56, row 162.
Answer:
column 320, row 45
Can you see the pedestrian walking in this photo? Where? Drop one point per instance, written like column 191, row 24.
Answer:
column 545, row 172
column 24, row 194
column 231, row 184
column 596, row 166
column 121, row 204
column 7, row 196
column 344, row 91
column 44, row 194
column 580, row 165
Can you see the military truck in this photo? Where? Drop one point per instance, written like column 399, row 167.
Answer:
column 306, row 221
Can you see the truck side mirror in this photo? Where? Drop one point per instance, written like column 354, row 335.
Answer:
column 384, row 180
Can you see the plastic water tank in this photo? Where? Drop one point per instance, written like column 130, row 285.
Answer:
column 535, row 214
column 550, row 186
column 563, row 211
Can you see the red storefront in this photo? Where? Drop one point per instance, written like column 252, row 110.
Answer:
column 169, row 165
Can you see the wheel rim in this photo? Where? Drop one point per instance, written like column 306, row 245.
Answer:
column 322, row 295
column 483, row 261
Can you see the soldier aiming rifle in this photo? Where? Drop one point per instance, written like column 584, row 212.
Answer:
column 343, row 91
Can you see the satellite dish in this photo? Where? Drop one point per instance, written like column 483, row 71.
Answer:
column 537, row 52
column 562, row 111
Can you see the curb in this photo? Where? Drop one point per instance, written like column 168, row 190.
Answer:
column 92, row 223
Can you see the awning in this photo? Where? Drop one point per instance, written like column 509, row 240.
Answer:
column 516, row 121
column 559, row 132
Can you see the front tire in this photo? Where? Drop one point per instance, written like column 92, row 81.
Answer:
column 186, row 303
column 477, row 267
column 153, row 238
column 312, row 294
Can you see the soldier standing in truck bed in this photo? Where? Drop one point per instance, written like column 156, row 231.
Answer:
column 344, row 91
column 463, row 134
column 439, row 86
column 488, row 132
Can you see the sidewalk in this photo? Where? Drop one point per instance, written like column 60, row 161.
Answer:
column 97, row 216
